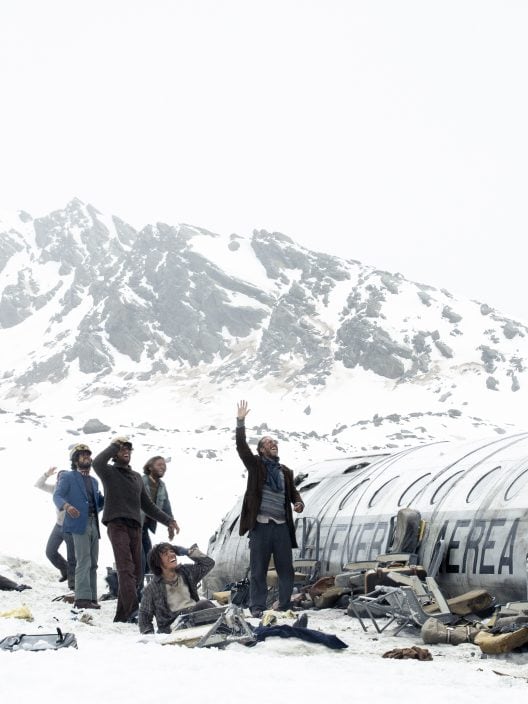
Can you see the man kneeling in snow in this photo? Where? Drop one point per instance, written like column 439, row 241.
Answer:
column 174, row 588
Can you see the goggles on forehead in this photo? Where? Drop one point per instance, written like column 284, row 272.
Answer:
column 78, row 449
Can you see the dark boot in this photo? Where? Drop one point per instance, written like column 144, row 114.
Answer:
column 86, row 604
column 301, row 621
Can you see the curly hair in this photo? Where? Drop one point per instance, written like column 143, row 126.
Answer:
column 154, row 557
column 149, row 463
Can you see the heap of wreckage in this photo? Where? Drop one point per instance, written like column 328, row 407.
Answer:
column 433, row 538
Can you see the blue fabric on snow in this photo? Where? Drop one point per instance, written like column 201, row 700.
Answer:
column 308, row 634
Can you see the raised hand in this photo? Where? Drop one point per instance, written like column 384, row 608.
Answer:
column 242, row 410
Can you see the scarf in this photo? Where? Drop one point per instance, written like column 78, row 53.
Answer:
column 274, row 476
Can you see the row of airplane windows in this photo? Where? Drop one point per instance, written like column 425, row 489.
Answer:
column 517, row 484
column 411, row 492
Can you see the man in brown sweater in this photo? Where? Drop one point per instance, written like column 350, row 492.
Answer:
column 125, row 498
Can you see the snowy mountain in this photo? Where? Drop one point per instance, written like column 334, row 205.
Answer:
column 91, row 309
column 157, row 334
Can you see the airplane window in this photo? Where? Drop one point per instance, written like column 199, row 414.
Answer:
column 349, row 495
column 355, row 467
column 482, row 485
column 307, row 487
column 230, row 529
column 382, row 492
column 444, row 487
column 517, row 484
column 412, row 491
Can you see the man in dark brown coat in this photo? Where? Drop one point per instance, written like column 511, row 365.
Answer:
column 267, row 516
column 125, row 498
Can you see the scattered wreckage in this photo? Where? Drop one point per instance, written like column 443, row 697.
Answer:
column 231, row 627
column 433, row 537
column 471, row 495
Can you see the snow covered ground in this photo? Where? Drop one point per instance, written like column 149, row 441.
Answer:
column 115, row 664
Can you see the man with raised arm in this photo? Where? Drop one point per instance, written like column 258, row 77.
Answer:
column 57, row 536
column 125, row 498
column 267, row 516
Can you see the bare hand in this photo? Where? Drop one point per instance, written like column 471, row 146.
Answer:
column 298, row 507
column 72, row 511
column 242, row 410
column 173, row 528
column 51, row 471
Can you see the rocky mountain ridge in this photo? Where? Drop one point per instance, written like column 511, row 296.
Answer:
column 88, row 301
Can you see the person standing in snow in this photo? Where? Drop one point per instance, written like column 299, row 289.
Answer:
column 153, row 471
column 267, row 516
column 57, row 536
column 125, row 498
column 77, row 493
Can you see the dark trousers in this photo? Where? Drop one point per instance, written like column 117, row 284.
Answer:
column 126, row 544
column 7, row 584
column 265, row 540
column 65, row 567
column 146, row 545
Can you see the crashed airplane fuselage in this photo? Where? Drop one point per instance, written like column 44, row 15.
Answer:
column 472, row 495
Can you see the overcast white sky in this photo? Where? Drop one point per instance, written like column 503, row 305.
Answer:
column 389, row 131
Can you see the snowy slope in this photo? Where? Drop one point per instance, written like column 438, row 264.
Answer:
column 94, row 314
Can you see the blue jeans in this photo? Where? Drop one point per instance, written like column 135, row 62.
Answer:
column 65, row 567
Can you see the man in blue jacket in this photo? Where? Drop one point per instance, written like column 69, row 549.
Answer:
column 78, row 494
